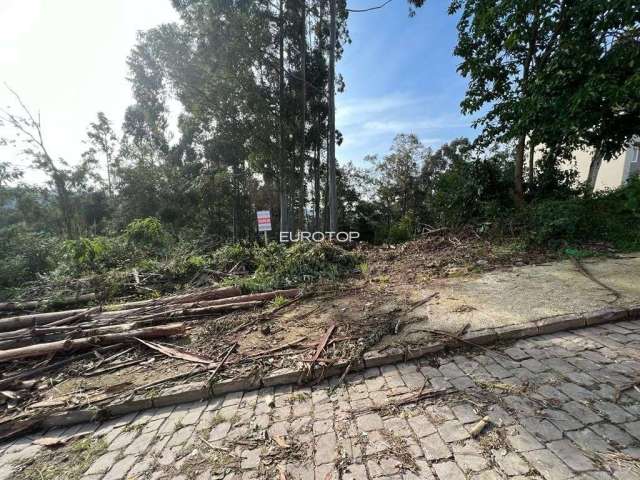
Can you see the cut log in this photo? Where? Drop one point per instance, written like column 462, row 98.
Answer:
column 75, row 317
column 37, row 319
column 36, row 304
column 62, row 333
column 27, row 321
column 51, row 332
column 28, row 332
column 195, row 312
column 261, row 297
column 39, row 350
column 214, row 294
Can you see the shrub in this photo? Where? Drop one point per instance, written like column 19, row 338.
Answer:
column 24, row 255
column 402, row 230
column 227, row 256
column 279, row 266
column 473, row 191
column 147, row 233
column 609, row 216
column 182, row 262
column 84, row 253
column 96, row 254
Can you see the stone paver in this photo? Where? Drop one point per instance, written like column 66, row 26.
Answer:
column 553, row 403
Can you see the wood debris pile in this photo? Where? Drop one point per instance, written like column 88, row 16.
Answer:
column 35, row 348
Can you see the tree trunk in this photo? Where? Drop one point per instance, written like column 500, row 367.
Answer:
column 518, row 181
column 235, row 213
column 36, row 304
column 91, row 342
column 532, row 151
column 316, row 185
column 284, row 201
column 594, row 168
column 518, row 171
column 331, row 154
column 29, row 321
column 209, row 294
column 64, row 203
column 303, row 118
column 109, row 185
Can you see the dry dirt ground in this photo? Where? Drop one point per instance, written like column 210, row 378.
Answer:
column 399, row 298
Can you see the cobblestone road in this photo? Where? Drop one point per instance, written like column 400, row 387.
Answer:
column 552, row 401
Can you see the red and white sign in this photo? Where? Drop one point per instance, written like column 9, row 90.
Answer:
column 264, row 220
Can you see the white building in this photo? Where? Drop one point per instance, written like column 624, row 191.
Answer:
column 613, row 173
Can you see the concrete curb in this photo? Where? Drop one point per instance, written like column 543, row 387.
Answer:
column 195, row 391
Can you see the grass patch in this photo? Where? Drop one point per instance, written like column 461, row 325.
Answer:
column 137, row 427
column 69, row 462
column 216, row 420
column 278, row 301
column 299, row 397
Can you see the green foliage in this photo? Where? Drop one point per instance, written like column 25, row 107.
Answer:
column 25, row 254
column 279, row 266
column 364, row 269
column 473, row 191
column 84, row 253
column 147, row 233
column 180, row 264
column 402, row 230
column 278, row 301
column 228, row 256
column 611, row 216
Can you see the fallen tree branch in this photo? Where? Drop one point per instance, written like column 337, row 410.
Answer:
column 323, row 343
column 5, row 382
column 177, row 353
column 73, row 318
column 281, row 347
column 222, row 362
column 182, row 376
column 89, row 342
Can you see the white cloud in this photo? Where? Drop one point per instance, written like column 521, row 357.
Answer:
column 350, row 110
column 369, row 124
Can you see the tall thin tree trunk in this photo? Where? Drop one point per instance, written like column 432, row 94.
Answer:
column 316, row 185
column 235, row 208
column 532, row 151
column 303, row 119
column 594, row 168
column 284, row 203
column 64, row 204
column 518, row 179
column 109, row 176
column 331, row 153
column 325, row 207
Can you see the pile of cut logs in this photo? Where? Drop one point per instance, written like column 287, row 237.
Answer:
column 31, row 335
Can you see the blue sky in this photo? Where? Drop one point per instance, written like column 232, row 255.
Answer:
column 400, row 76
